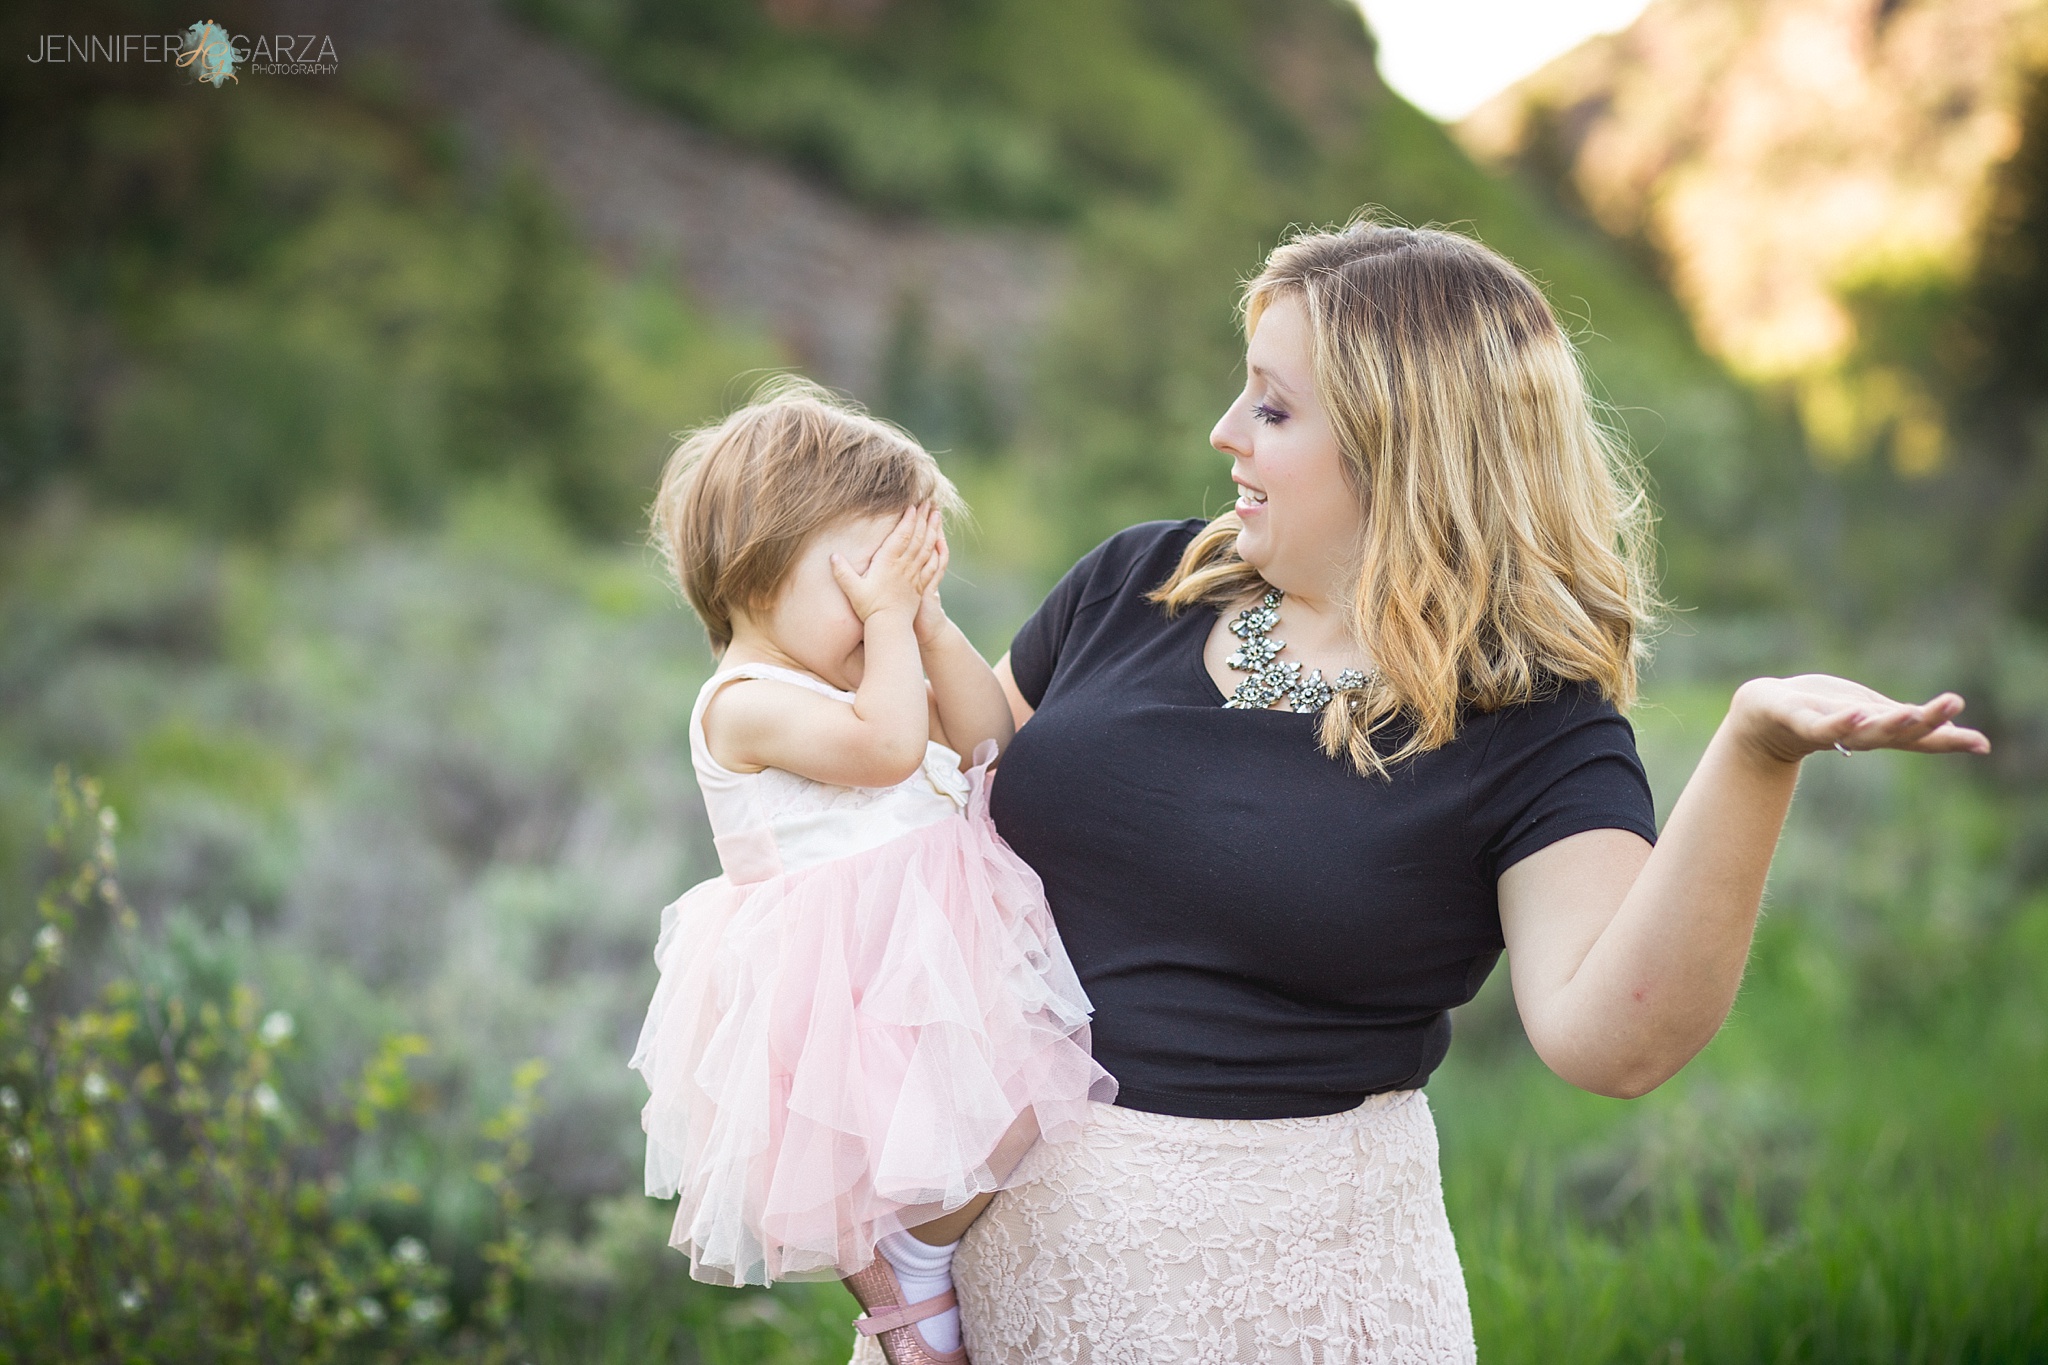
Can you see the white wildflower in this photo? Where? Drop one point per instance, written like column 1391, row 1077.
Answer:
column 409, row 1251
column 305, row 1302
column 371, row 1311
column 95, row 1087
column 276, row 1027
column 10, row 1103
column 18, row 997
column 265, row 1100
column 133, row 1297
column 20, row 1151
column 50, row 942
column 427, row 1310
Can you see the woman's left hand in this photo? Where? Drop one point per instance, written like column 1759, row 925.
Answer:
column 1788, row 718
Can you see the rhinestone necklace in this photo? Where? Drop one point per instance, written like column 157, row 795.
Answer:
column 1271, row 679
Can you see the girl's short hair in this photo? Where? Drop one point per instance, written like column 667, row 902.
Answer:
column 739, row 497
column 1507, row 530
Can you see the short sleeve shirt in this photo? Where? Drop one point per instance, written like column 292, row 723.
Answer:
column 1264, row 931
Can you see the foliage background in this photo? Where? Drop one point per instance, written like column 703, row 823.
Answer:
column 322, row 454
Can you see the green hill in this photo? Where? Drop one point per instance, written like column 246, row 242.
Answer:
column 237, row 305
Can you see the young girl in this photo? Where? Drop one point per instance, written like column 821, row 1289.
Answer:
column 864, row 1023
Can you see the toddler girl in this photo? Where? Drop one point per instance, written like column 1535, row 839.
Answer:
column 864, row 1023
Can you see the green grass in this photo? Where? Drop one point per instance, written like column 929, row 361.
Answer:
column 1805, row 1191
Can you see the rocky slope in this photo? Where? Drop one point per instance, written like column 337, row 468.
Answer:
column 1778, row 156
column 1850, row 199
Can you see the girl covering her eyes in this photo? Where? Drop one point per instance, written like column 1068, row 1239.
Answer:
column 868, row 1018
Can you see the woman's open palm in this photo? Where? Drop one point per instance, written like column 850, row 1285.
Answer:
column 1789, row 718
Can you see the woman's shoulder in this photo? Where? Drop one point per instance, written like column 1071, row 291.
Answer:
column 1135, row 559
column 1556, row 709
column 1554, row 697
column 1102, row 595
column 1556, row 763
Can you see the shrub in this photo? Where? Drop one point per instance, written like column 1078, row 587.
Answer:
column 158, row 1198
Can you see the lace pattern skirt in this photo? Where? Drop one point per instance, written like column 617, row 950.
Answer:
column 1163, row 1239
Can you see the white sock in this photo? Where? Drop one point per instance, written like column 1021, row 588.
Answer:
column 925, row 1272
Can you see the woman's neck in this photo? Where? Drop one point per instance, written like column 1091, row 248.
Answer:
column 1317, row 626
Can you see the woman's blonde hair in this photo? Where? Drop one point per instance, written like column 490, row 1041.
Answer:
column 739, row 498
column 1507, row 533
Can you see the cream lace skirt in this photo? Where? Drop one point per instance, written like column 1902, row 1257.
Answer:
column 1221, row 1241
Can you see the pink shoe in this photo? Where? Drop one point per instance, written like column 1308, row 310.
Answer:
column 888, row 1320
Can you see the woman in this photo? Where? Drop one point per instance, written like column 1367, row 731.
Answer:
column 1294, row 778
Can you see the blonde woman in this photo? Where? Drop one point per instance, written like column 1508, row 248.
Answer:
column 1295, row 777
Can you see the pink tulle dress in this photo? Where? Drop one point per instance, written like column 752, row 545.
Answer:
column 865, row 1022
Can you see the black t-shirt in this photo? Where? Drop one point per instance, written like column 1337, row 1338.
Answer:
column 1266, row 932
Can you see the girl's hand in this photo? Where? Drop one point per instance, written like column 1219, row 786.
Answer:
column 1785, row 719
column 896, row 578
column 931, row 620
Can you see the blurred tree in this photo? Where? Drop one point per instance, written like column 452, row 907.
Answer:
column 521, row 396
column 2004, row 387
column 947, row 402
column 39, row 376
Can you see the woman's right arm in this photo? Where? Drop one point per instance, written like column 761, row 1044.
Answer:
column 1020, row 709
column 1625, row 958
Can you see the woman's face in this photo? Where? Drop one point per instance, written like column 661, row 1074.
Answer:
column 1303, row 525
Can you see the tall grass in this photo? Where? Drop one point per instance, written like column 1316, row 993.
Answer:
column 1804, row 1192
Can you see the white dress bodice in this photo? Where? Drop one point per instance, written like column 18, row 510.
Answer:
column 772, row 821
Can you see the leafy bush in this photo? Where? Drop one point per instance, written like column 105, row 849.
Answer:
column 161, row 1199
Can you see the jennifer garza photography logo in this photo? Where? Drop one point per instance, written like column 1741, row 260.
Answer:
column 208, row 51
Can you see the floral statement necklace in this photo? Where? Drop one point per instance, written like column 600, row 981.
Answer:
column 1271, row 679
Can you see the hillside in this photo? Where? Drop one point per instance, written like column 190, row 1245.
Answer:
column 1020, row 226
column 537, row 238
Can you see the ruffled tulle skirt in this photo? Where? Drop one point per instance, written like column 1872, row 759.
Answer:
column 853, row 1048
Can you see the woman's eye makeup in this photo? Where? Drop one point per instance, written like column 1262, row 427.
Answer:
column 1268, row 414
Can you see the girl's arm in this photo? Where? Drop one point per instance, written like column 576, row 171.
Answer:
column 966, row 695
column 1625, row 958
column 879, row 740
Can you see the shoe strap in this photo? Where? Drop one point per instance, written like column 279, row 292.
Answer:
column 889, row 1319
